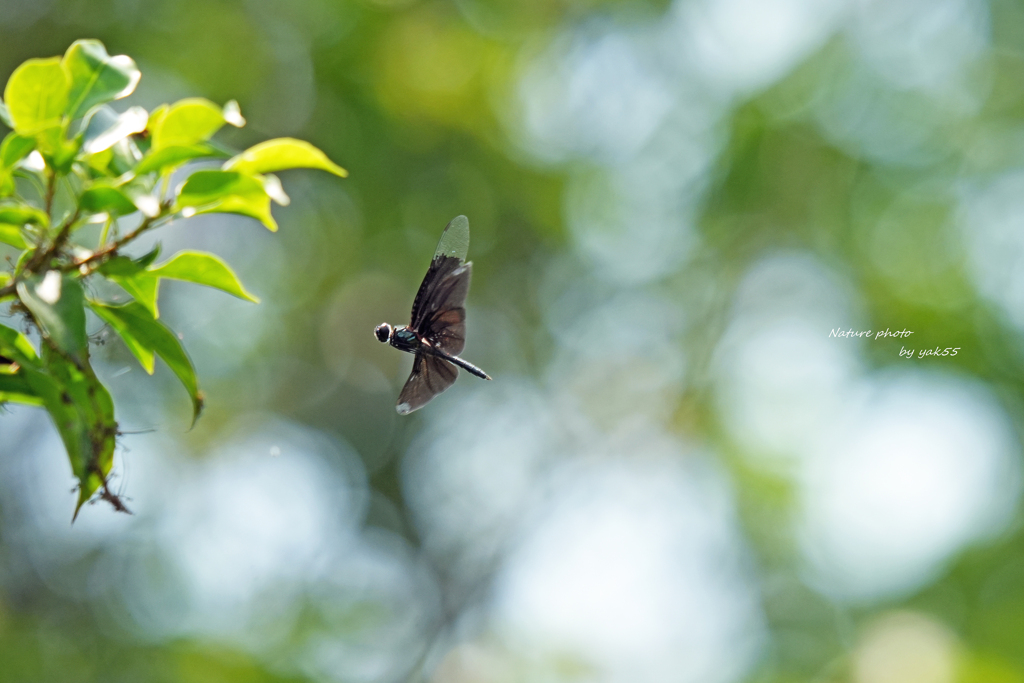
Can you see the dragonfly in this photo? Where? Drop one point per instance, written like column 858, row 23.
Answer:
column 437, row 332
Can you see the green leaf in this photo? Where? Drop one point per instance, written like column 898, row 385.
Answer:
column 11, row 234
column 50, row 139
column 149, row 333
column 106, row 199
column 96, row 77
column 37, row 94
column 83, row 413
column 190, row 266
column 203, row 269
column 258, row 208
column 100, row 162
column 156, row 116
column 23, row 260
column 5, row 116
column 105, row 127
column 14, row 148
column 15, row 388
column 57, row 303
column 133, row 277
column 117, row 322
column 186, row 123
column 169, row 157
column 226, row 192
column 16, row 213
column 58, row 152
column 142, row 287
column 16, row 346
column 146, row 260
column 120, row 266
column 14, row 383
column 282, row 154
column 79, row 405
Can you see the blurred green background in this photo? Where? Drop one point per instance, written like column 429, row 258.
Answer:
column 679, row 473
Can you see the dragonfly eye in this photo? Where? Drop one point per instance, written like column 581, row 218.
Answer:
column 382, row 332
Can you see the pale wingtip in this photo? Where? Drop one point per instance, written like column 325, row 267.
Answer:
column 403, row 408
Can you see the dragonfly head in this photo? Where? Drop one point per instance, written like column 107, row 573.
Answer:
column 383, row 332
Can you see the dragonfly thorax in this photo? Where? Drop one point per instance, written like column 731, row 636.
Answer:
column 405, row 339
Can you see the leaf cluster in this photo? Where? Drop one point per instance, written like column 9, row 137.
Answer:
column 71, row 160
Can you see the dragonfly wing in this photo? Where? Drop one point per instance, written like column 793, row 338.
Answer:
column 430, row 376
column 450, row 254
column 423, row 305
column 454, row 240
column 444, row 316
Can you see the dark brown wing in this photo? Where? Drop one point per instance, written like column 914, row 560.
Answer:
column 430, row 376
column 444, row 325
column 440, row 268
column 443, row 315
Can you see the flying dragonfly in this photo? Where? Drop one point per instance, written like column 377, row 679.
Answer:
column 437, row 332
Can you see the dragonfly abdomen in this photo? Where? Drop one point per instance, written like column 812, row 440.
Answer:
column 464, row 364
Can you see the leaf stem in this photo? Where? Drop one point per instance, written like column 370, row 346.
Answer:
column 106, row 230
column 51, row 190
column 111, row 249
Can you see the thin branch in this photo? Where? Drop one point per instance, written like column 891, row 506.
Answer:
column 41, row 257
column 65, row 230
column 96, row 257
column 51, row 190
column 111, row 249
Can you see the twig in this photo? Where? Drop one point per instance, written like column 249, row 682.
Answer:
column 51, row 190
column 99, row 255
column 41, row 257
column 106, row 230
column 111, row 249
